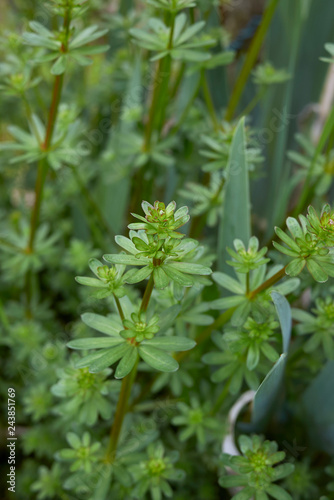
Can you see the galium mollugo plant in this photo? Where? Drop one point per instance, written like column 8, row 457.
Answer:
column 103, row 108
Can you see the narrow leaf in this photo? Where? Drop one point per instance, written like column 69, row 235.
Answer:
column 158, row 359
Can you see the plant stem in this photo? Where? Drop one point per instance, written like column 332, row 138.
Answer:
column 90, row 200
column 251, row 105
column 119, row 308
column 127, row 382
column 208, row 101
column 198, row 223
column 268, row 283
column 147, row 294
column 57, row 88
column 205, row 334
column 40, row 180
column 220, row 400
column 43, row 166
column 250, row 59
column 121, row 409
column 158, row 103
column 247, row 283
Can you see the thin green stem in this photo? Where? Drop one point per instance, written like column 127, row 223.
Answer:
column 220, row 400
column 43, row 165
column 247, row 283
column 56, row 93
column 121, row 410
column 205, row 334
column 177, row 81
column 92, row 203
column 147, row 294
column 251, row 105
column 127, row 382
column 119, row 308
column 30, row 119
column 39, row 186
column 208, row 101
column 198, row 223
column 250, row 59
column 159, row 97
column 268, row 283
column 185, row 112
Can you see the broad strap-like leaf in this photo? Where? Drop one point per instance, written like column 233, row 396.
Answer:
column 235, row 220
column 284, row 315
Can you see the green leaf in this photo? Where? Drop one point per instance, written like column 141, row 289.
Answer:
column 170, row 343
column 95, row 343
column 168, row 317
column 137, row 275
column 60, row 65
column 126, row 244
column 316, row 271
column 87, row 35
column 287, row 240
column 235, row 220
column 253, row 357
column 127, row 362
column 83, row 280
column 177, row 276
column 190, row 268
column 228, row 283
column 231, row 481
column 284, row 250
column 129, row 260
column 94, row 264
column 295, row 267
column 158, row 359
column 102, row 324
column 108, row 358
column 245, row 494
column 161, row 279
column 278, row 493
column 86, row 360
column 294, row 228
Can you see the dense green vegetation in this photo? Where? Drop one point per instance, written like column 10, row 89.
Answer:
column 165, row 348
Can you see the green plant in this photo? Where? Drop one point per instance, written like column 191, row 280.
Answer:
column 140, row 339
